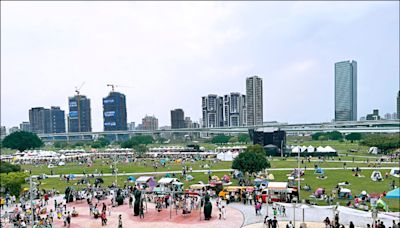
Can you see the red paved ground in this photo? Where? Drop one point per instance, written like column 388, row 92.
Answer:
column 152, row 218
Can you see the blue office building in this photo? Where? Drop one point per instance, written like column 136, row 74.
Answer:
column 114, row 112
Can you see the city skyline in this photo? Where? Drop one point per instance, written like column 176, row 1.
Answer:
column 292, row 50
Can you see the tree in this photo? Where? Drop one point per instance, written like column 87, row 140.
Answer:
column 256, row 148
column 219, row 139
column 6, row 167
column 137, row 140
column 353, row 136
column 12, row 182
column 22, row 140
column 383, row 142
column 60, row 145
column 100, row 143
column 316, row 136
column 335, row 135
column 250, row 162
column 233, row 139
column 244, row 138
column 141, row 149
column 322, row 137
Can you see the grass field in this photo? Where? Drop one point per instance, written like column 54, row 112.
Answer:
column 358, row 184
column 136, row 167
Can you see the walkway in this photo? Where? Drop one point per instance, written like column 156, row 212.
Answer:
column 214, row 170
column 312, row 214
column 167, row 218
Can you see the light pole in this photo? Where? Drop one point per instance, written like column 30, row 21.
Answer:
column 31, row 197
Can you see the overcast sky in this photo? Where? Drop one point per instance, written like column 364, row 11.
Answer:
column 172, row 53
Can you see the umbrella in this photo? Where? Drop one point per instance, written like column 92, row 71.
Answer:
column 394, row 194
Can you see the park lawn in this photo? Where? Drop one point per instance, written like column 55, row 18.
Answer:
column 358, row 184
column 341, row 147
column 60, row 185
column 134, row 167
column 137, row 167
column 334, row 177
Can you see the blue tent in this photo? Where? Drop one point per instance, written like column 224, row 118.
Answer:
column 394, row 194
column 319, row 171
column 131, row 178
column 71, row 176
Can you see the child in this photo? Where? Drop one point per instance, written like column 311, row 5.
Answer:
column 223, row 212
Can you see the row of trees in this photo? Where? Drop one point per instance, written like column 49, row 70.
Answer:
column 222, row 139
column 335, row 135
column 383, row 142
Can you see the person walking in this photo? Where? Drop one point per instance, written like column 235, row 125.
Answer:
column 103, row 218
column 351, row 224
column 275, row 223
column 69, row 219
column 120, row 221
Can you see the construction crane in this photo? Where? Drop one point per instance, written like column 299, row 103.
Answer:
column 77, row 90
column 113, row 86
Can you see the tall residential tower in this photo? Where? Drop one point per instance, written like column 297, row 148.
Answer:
column 235, row 113
column 254, row 100
column 177, row 118
column 79, row 118
column 114, row 112
column 212, row 111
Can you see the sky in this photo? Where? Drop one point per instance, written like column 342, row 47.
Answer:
column 167, row 55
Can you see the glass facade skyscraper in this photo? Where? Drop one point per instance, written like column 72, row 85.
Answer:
column 114, row 112
column 346, row 91
column 79, row 118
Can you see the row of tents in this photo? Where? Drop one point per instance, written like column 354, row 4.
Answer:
column 314, row 151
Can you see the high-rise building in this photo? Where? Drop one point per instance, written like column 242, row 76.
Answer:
column 346, row 91
column 43, row 120
column 25, row 126
column 57, row 120
column 149, row 123
column 177, row 118
column 3, row 132
column 114, row 112
column 131, row 126
column 374, row 115
column 39, row 119
column 394, row 116
column 387, row 116
column 398, row 105
column 188, row 122
column 235, row 113
column 212, row 111
column 13, row 129
column 254, row 100
column 79, row 118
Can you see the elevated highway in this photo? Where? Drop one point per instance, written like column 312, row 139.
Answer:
column 377, row 126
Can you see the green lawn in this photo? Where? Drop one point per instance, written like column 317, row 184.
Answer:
column 134, row 167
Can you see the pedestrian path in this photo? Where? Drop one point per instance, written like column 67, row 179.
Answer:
column 206, row 171
column 307, row 213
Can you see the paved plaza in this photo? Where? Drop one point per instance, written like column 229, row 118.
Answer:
column 166, row 218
